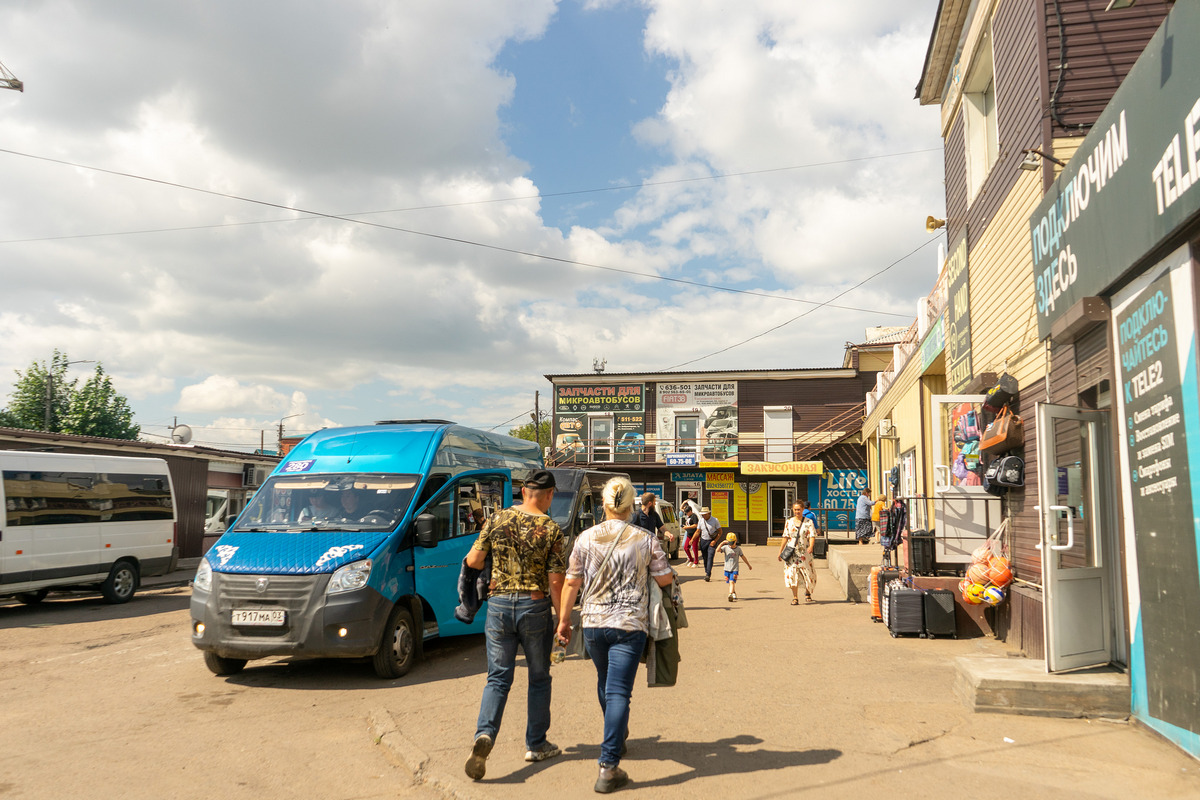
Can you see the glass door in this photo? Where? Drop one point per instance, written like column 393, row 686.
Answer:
column 781, row 496
column 1075, row 517
column 602, row 431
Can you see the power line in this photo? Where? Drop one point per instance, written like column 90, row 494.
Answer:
column 525, row 413
column 459, row 240
column 929, row 241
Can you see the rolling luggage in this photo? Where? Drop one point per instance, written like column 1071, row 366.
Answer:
column 939, row 613
column 887, row 593
column 906, row 611
column 876, row 580
column 820, row 546
column 921, row 552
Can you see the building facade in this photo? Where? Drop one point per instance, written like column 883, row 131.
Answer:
column 746, row 443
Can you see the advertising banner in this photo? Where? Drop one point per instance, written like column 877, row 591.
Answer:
column 1132, row 182
column 718, row 504
column 1154, row 334
column 697, row 418
column 630, row 435
column 570, row 430
column 600, row 397
column 840, row 493
column 958, row 318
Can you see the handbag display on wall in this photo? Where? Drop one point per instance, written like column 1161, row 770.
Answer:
column 1006, row 432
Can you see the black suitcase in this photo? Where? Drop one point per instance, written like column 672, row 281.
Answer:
column 939, row 613
column 920, row 547
column 906, row 611
column 820, row 546
column 885, row 596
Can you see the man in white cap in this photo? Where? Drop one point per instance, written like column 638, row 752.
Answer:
column 708, row 529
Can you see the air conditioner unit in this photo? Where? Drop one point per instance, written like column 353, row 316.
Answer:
column 254, row 475
column 885, row 427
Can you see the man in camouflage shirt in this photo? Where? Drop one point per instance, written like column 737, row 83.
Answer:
column 528, row 563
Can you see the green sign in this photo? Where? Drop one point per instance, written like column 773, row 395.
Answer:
column 1133, row 181
column 958, row 318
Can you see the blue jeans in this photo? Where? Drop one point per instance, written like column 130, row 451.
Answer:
column 616, row 654
column 707, row 553
column 514, row 619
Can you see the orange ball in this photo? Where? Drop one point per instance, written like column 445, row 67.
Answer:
column 978, row 573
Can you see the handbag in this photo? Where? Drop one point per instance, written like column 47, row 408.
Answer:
column 1005, row 432
column 575, row 647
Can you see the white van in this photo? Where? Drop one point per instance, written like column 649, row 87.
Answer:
column 78, row 520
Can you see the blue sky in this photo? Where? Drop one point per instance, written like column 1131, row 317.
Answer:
column 773, row 148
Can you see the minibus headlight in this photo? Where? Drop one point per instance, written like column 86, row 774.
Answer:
column 350, row 577
column 203, row 579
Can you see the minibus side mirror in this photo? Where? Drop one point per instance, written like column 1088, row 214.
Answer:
column 427, row 530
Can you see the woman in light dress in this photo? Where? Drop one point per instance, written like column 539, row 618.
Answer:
column 800, row 533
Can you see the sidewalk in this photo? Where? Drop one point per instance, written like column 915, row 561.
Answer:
column 776, row 700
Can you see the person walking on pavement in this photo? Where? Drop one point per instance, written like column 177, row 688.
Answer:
column 528, row 563
column 732, row 553
column 863, row 528
column 648, row 519
column 610, row 562
column 691, row 548
column 708, row 528
column 800, row 533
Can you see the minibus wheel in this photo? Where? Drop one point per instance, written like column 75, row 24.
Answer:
column 398, row 651
column 121, row 583
column 219, row 665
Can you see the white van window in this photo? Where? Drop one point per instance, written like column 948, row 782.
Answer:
column 65, row 498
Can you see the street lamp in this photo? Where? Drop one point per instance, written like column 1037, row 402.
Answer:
column 50, row 386
column 281, row 419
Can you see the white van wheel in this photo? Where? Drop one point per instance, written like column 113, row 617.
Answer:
column 398, row 651
column 121, row 583
column 33, row 598
column 218, row 665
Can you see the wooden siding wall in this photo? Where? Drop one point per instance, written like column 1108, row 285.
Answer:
column 955, row 153
column 1101, row 47
column 189, row 478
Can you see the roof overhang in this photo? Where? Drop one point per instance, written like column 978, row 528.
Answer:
column 943, row 49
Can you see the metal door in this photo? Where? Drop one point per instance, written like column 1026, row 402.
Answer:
column 1075, row 489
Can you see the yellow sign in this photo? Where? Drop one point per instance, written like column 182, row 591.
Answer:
column 718, row 477
column 718, row 465
column 783, row 468
column 719, row 504
column 758, row 505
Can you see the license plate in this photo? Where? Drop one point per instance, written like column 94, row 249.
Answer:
column 259, row 616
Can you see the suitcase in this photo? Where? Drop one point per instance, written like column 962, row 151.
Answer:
column 887, row 592
column 877, row 579
column 906, row 611
column 939, row 613
column 921, row 552
column 820, row 546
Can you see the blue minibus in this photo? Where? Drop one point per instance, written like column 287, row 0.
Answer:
column 352, row 547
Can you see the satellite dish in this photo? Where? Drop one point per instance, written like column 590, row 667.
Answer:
column 181, row 434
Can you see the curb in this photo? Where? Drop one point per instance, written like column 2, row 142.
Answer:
column 385, row 733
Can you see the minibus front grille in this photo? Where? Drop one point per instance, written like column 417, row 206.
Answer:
column 296, row 594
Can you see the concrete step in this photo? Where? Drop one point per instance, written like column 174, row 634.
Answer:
column 1022, row 686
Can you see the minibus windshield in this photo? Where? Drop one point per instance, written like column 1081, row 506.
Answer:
column 344, row 501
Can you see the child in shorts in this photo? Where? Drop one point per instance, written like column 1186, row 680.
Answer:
column 732, row 554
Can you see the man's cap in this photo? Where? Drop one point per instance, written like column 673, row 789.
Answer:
column 541, row 479
column 705, row 510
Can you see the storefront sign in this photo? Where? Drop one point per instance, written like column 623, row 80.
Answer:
column 1131, row 183
column 934, row 342
column 718, row 477
column 697, row 417
column 728, row 464
column 630, row 436
column 783, row 467
column 1154, row 334
column 687, row 477
column 681, row 459
column 598, row 397
column 958, row 318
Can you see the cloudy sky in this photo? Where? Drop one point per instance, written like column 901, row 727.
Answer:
column 340, row 212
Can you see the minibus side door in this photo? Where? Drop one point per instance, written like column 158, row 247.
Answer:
column 459, row 511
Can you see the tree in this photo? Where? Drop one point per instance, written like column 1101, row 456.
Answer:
column 43, row 394
column 527, row 431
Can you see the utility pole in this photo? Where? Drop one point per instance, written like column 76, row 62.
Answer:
column 537, row 421
column 289, row 416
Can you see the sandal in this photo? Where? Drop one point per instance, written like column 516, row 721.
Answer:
column 808, row 598
column 795, row 602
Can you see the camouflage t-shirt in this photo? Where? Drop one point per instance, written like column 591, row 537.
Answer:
column 525, row 549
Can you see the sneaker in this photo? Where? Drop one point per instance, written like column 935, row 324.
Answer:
column 547, row 750
column 707, row 578
column 611, row 779
column 477, row 763
column 733, row 596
